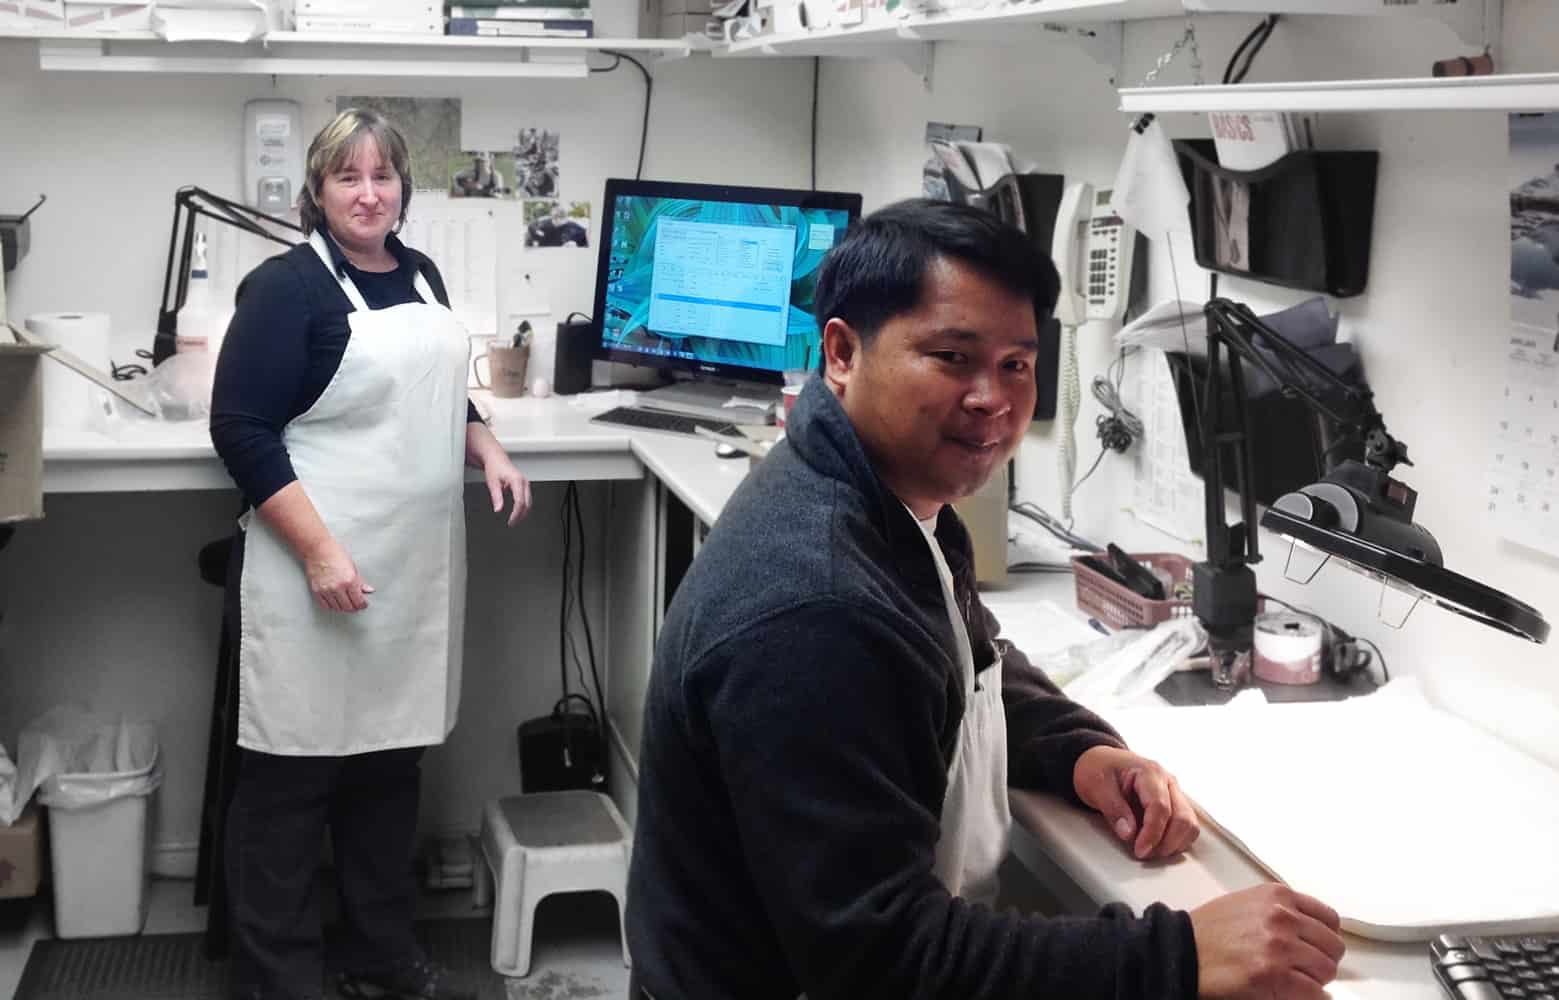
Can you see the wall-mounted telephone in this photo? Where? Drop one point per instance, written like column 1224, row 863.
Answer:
column 1094, row 250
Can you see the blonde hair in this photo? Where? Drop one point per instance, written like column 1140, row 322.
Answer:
column 335, row 144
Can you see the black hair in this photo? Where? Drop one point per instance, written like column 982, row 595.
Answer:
column 877, row 271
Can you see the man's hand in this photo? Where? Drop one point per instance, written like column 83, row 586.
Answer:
column 1267, row 942
column 501, row 475
column 1142, row 802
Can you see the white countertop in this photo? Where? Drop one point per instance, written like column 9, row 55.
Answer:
column 552, row 440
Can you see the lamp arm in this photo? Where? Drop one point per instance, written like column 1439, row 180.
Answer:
column 190, row 203
column 1241, row 329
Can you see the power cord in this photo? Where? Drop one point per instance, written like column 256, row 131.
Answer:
column 126, row 372
column 649, row 90
column 1119, row 427
column 573, row 597
column 1042, row 517
column 1245, row 54
column 817, row 72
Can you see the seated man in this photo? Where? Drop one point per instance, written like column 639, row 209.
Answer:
column 831, row 726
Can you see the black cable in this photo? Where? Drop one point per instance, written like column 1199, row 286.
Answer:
column 571, row 505
column 1235, row 72
column 817, row 71
column 1385, row 675
column 649, row 90
column 126, row 372
column 563, row 609
column 1103, row 450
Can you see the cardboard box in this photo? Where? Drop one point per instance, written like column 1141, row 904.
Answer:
column 32, row 14
column 123, row 16
column 21, row 856
column 21, row 429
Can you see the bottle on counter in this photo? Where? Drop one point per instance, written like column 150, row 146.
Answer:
column 204, row 317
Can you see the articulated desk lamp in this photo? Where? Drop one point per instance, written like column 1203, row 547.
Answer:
column 189, row 204
column 1357, row 512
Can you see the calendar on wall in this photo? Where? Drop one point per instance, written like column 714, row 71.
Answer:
column 1524, row 457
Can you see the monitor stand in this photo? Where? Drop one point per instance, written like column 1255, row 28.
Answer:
column 709, row 398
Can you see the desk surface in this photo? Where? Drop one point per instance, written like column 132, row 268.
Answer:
column 1056, row 838
column 551, row 440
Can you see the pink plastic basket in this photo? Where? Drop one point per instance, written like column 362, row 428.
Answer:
column 1118, row 607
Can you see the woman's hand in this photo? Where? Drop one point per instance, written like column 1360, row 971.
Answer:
column 501, row 475
column 334, row 580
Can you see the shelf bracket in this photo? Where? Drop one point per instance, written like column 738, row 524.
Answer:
column 1103, row 42
column 920, row 59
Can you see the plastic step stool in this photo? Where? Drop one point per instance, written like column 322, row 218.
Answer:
column 544, row 843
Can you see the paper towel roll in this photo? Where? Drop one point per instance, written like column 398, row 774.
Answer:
column 67, row 396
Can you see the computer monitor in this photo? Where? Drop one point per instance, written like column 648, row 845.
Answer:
column 713, row 280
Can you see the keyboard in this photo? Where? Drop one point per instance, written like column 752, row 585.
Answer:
column 659, row 420
column 1497, row 968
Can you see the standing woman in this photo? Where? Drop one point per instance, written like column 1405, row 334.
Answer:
column 340, row 410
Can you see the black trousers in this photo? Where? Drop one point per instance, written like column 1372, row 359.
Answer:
column 275, row 829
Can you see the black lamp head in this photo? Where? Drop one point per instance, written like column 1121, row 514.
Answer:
column 1362, row 516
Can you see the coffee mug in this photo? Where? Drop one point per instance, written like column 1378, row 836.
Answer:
column 506, row 369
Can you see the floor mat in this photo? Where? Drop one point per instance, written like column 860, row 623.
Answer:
column 173, row 966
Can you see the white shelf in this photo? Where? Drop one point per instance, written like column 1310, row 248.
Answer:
column 994, row 22
column 1524, row 92
column 289, row 53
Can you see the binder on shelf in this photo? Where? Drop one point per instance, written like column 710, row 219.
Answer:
column 576, row 28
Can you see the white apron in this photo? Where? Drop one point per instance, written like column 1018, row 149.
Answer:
column 976, row 818
column 381, row 456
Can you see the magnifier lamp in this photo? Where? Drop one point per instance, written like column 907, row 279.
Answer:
column 1357, row 513
column 190, row 203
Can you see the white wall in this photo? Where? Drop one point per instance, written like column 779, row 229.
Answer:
column 1429, row 328
column 103, row 603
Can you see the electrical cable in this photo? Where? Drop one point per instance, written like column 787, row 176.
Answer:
column 1118, row 427
column 817, row 72
column 1042, row 517
column 126, row 372
column 649, row 90
column 1236, row 71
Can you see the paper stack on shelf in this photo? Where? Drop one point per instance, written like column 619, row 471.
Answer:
column 523, row 18
column 369, row 17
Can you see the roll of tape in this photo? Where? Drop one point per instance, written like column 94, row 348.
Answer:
column 1287, row 648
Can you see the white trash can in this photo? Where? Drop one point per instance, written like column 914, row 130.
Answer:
column 98, row 818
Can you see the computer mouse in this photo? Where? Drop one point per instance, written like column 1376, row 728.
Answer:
column 723, row 450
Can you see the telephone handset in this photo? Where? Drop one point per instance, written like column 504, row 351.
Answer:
column 1094, row 251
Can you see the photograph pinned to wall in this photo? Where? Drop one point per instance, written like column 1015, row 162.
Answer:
column 431, row 126
column 483, row 174
column 536, row 163
column 551, row 223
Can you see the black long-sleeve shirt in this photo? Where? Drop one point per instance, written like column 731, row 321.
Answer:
column 801, row 715
column 283, row 347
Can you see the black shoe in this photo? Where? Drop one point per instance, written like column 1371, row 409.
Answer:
column 412, row 979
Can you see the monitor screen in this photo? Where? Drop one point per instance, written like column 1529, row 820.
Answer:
column 713, row 279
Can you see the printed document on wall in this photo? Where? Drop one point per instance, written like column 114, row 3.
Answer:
column 1165, row 493
column 461, row 235
column 1523, row 498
